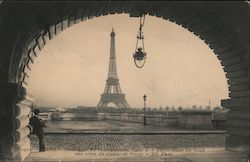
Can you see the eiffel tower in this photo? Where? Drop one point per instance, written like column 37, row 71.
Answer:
column 112, row 92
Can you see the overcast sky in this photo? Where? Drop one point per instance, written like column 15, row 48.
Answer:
column 181, row 70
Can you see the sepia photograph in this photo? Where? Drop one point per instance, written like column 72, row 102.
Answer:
column 124, row 81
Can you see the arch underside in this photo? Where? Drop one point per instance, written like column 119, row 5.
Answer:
column 220, row 38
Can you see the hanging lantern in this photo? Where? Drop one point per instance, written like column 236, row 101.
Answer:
column 140, row 54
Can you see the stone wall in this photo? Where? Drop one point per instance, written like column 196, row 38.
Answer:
column 15, row 144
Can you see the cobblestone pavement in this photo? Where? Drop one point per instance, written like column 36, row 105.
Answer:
column 115, row 142
column 131, row 148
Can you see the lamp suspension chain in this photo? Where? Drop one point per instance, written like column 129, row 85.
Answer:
column 140, row 54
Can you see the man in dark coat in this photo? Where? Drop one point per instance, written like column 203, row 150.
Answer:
column 38, row 125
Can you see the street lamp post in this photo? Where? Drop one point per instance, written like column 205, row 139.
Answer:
column 144, row 116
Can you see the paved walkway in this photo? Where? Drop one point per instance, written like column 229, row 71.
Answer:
column 112, row 142
column 113, row 147
column 127, row 142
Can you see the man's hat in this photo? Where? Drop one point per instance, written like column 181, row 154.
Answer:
column 36, row 111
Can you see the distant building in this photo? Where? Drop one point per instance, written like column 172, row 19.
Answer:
column 60, row 109
column 46, row 109
column 85, row 107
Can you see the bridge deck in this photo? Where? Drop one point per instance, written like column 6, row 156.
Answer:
column 127, row 141
column 114, row 147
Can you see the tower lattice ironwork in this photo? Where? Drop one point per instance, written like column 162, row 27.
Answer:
column 112, row 92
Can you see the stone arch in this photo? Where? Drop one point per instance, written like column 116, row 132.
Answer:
column 214, row 34
column 227, row 37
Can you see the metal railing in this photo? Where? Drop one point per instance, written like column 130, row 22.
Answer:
column 156, row 120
